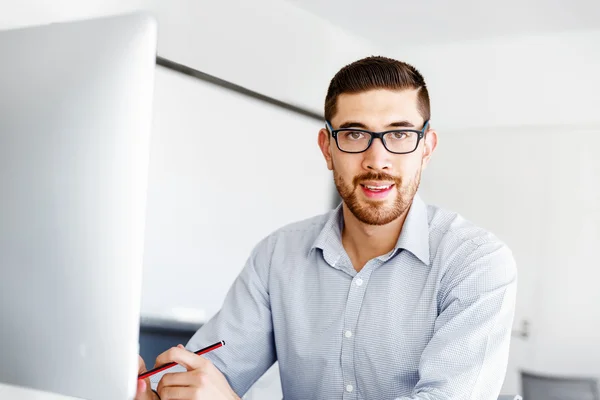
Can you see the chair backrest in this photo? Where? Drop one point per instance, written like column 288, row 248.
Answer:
column 159, row 335
column 540, row 387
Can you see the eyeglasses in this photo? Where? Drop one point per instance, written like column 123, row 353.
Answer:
column 397, row 141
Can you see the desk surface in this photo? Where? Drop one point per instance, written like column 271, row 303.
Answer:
column 14, row 392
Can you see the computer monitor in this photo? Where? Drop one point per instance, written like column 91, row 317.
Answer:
column 75, row 119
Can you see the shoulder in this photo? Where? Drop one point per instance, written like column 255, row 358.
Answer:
column 458, row 246
column 298, row 236
column 307, row 229
column 450, row 231
column 291, row 242
column 450, row 227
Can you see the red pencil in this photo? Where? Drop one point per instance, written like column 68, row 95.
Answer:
column 158, row 369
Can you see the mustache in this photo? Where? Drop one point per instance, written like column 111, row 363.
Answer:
column 376, row 176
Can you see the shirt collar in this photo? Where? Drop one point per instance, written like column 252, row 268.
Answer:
column 414, row 236
column 329, row 239
column 415, row 231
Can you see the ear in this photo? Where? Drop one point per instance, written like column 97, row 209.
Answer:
column 430, row 141
column 325, row 146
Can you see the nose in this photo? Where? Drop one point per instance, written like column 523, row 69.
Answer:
column 377, row 158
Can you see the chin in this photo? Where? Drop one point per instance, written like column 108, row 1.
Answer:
column 375, row 212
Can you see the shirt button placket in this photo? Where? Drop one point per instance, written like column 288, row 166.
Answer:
column 353, row 305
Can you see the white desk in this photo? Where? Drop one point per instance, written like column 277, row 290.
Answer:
column 14, row 392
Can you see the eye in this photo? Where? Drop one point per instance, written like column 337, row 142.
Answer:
column 352, row 135
column 399, row 135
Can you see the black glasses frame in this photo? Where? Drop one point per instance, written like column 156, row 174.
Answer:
column 376, row 135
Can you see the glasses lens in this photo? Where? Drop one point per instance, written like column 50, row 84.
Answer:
column 401, row 141
column 353, row 141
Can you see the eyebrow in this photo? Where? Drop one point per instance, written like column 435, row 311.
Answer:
column 360, row 125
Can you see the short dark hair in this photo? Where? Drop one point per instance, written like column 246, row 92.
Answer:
column 377, row 72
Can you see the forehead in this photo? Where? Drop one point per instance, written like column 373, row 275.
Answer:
column 379, row 106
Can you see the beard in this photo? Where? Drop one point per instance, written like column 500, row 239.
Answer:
column 373, row 212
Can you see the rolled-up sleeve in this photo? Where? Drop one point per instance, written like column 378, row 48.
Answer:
column 467, row 356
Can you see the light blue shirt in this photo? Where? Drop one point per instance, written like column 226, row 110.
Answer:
column 430, row 320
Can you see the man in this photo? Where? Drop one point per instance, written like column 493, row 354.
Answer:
column 382, row 298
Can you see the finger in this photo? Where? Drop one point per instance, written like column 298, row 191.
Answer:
column 185, row 358
column 178, row 393
column 189, row 378
column 141, row 365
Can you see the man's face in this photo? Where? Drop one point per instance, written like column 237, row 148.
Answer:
column 377, row 186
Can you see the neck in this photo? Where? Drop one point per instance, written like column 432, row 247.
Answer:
column 364, row 242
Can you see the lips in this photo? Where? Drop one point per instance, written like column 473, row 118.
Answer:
column 375, row 188
column 376, row 191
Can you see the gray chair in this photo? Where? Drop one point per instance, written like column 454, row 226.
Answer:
column 541, row 387
column 158, row 335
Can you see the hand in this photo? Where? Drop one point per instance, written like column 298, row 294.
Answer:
column 144, row 391
column 202, row 381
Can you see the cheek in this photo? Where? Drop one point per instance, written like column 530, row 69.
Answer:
column 408, row 168
column 344, row 163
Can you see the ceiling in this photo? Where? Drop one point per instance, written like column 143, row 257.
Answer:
column 406, row 22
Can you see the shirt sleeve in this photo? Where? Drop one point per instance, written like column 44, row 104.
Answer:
column 244, row 323
column 467, row 355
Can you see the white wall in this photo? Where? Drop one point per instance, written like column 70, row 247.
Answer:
column 567, row 331
column 512, row 81
column 225, row 171
column 540, row 92
column 267, row 45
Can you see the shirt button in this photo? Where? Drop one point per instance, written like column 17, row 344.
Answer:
column 348, row 334
column 359, row 282
column 349, row 388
